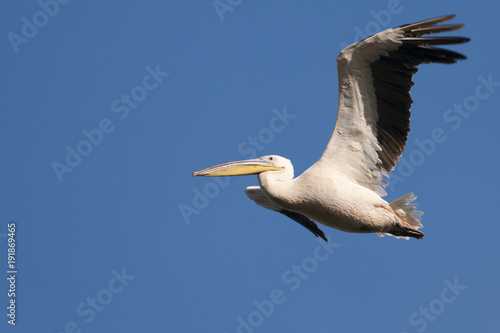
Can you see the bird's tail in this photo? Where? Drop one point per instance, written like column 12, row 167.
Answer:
column 407, row 213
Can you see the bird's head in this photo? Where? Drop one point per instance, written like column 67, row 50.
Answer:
column 277, row 165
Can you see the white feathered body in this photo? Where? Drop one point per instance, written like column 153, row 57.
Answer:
column 342, row 204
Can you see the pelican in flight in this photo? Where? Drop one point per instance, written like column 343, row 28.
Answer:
column 344, row 188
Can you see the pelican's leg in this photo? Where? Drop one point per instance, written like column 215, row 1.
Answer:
column 403, row 231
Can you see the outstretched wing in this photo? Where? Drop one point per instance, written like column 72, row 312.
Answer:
column 375, row 78
column 259, row 197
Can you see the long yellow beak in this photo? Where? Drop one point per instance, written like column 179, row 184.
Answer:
column 239, row 168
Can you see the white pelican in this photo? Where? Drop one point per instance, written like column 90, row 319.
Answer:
column 343, row 188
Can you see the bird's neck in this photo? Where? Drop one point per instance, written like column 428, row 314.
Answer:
column 278, row 190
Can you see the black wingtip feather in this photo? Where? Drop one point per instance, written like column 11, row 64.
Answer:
column 392, row 76
column 426, row 23
column 305, row 222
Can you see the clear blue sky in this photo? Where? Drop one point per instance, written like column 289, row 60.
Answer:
column 108, row 109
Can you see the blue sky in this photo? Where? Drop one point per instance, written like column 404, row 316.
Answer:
column 107, row 109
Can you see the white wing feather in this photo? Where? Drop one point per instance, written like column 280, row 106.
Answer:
column 375, row 78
